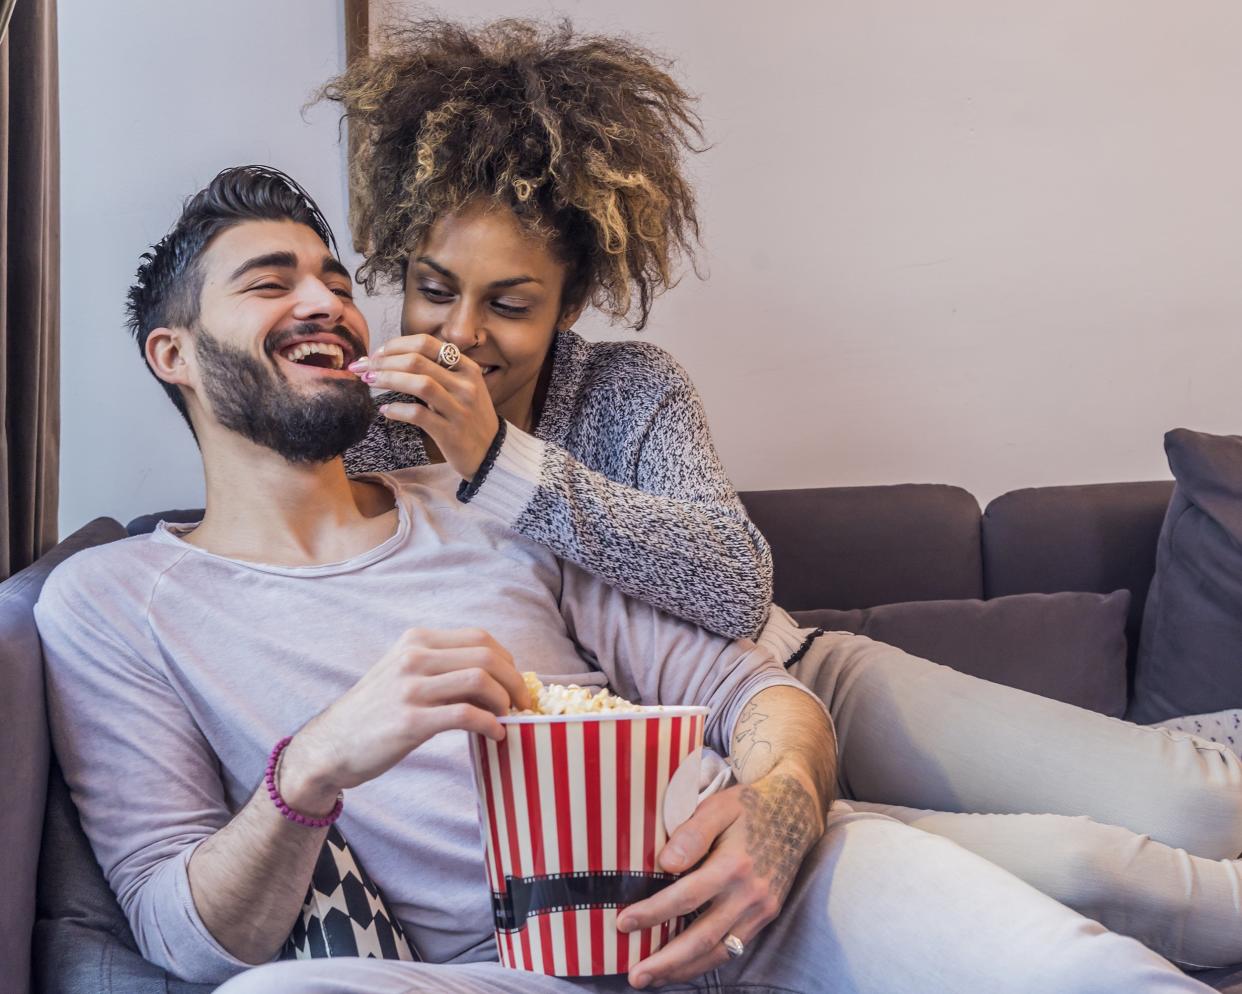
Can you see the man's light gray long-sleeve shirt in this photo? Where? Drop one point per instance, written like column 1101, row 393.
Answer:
column 172, row 672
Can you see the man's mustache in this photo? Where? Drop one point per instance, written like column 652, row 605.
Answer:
column 279, row 339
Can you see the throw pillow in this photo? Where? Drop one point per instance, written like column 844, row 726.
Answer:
column 1067, row 646
column 1190, row 650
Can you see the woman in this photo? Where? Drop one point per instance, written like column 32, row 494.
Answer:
column 512, row 176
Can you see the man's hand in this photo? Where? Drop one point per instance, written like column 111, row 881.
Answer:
column 754, row 838
column 457, row 411
column 427, row 683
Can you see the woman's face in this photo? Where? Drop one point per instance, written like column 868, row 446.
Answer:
column 480, row 281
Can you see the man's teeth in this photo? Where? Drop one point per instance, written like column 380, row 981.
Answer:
column 300, row 351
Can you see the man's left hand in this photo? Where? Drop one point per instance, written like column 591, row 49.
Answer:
column 754, row 838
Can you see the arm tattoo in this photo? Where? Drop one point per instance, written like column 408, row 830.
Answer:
column 781, row 824
column 748, row 744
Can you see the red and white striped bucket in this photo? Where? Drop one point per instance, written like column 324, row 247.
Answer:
column 572, row 815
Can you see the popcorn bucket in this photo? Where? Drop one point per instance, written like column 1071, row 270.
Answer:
column 574, row 810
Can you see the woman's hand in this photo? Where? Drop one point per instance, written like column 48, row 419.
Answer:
column 456, row 409
column 754, row 838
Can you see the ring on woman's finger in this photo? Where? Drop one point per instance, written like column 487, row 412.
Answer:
column 734, row 946
column 450, row 355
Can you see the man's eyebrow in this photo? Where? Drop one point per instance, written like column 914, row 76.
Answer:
column 333, row 265
column 286, row 260
column 495, row 284
column 271, row 260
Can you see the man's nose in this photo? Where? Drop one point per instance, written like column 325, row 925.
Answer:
column 317, row 302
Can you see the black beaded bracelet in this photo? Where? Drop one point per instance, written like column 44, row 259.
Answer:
column 469, row 488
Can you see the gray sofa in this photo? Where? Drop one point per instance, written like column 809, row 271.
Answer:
column 838, row 548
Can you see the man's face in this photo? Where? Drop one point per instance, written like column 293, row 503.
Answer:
column 277, row 327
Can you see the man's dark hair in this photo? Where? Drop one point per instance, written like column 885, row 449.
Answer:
column 166, row 292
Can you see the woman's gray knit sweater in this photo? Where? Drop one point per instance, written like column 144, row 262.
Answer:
column 621, row 478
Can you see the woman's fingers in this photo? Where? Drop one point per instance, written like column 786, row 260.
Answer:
column 427, row 345
column 411, row 352
column 425, row 386
column 415, row 414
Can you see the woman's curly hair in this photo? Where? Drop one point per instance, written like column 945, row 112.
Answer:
column 581, row 136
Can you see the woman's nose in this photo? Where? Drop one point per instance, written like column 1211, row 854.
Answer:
column 462, row 329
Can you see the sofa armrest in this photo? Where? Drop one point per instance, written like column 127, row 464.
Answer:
column 24, row 748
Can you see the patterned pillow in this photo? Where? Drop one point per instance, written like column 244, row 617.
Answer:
column 344, row 913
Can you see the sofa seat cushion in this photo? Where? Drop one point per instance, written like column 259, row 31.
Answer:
column 1067, row 646
column 1190, row 655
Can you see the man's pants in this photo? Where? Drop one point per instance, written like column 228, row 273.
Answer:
column 1135, row 827
column 878, row 908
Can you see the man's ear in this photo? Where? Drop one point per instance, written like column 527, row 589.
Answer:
column 169, row 354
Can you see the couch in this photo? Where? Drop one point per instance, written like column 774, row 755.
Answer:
column 834, row 548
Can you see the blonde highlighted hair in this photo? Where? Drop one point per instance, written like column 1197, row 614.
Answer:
column 582, row 137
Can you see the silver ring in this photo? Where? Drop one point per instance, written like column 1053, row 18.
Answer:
column 450, row 355
column 734, row 946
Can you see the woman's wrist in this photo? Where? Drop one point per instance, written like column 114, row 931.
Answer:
column 470, row 487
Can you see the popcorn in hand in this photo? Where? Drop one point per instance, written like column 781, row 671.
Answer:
column 568, row 699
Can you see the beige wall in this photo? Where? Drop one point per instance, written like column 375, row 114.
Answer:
column 156, row 98
column 989, row 243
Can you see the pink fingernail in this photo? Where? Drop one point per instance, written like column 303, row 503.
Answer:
column 359, row 364
column 383, row 409
column 370, row 376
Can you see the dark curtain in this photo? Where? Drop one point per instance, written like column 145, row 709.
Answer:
column 29, row 285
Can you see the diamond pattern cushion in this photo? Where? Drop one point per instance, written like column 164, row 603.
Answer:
column 345, row 914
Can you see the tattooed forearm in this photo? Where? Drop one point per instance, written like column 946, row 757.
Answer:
column 781, row 823
column 784, row 730
column 750, row 747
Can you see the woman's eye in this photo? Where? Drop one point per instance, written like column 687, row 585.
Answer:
column 342, row 292
column 434, row 293
column 267, row 286
column 512, row 310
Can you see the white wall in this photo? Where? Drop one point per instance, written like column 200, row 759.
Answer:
column 992, row 244
column 157, row 96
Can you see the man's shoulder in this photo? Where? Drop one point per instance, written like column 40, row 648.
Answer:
column 108, row 574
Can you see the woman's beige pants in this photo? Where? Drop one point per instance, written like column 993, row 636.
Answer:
column 1138, row 828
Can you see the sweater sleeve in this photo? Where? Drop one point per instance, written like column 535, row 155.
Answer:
column 674, row 535
column 145, row 782
column 653, row 658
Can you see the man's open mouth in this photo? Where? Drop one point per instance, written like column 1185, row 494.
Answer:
column 325, row 355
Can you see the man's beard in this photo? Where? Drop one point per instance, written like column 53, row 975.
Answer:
column 253, row 399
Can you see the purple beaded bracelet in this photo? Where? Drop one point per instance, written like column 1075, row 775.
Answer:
column 269, row 780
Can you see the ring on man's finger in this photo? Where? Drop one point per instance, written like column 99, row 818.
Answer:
column 450, row 355
column 734, row 946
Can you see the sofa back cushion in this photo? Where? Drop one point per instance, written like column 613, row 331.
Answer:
column 1067, row 646
column 850, row 547
column 1190, row 659
column 1099, row 537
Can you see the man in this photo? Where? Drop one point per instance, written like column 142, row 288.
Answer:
column 374, row 620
